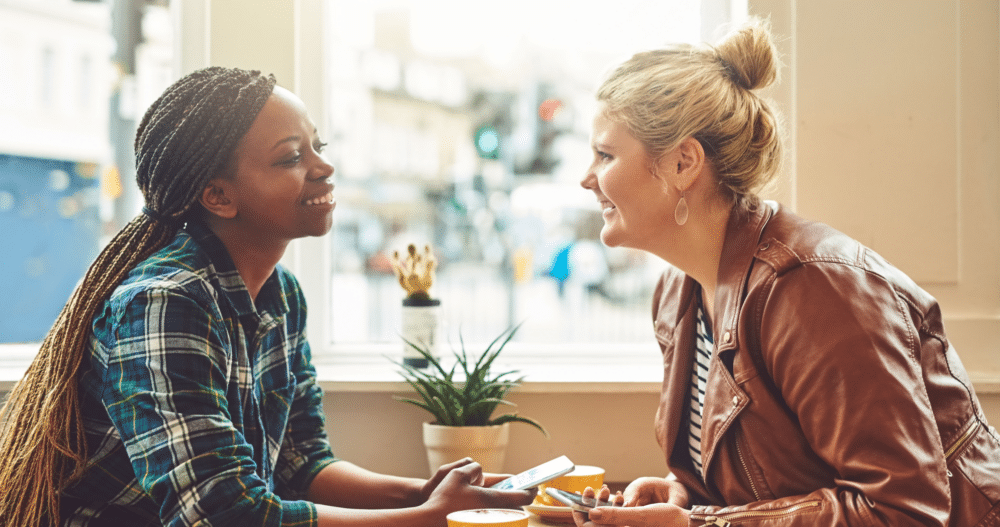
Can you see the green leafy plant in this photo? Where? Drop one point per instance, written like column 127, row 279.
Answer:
column 468, row 393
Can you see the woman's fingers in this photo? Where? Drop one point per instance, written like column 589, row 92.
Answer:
column 510, row 499
column 472, row 471
column 490, row 479
column 618, row 500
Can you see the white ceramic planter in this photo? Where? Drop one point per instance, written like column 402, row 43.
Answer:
column 487, row 445
column 420, row 321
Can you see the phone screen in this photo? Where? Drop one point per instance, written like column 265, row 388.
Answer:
column 577, row 501
column 537, row 475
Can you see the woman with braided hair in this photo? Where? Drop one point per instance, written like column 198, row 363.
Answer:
column 806, row 381
column 176, row 386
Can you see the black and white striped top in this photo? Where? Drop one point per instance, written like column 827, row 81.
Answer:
column 699, row 378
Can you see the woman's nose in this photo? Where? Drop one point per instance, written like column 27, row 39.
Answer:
column 323, row 169
column 589, row 180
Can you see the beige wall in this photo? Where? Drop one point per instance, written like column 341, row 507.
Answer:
column 893, row 110
column 894, row 115
column 611, row 431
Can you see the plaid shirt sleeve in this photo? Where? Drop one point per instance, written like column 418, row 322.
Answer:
column 169, row 393
column 305, row 450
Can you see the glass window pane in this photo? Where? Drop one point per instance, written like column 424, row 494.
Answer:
column 466, row 127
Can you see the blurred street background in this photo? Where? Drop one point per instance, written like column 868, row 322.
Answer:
column 462, row 125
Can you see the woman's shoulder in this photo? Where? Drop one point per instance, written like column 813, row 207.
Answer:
column 789, row 240
column 180, row 268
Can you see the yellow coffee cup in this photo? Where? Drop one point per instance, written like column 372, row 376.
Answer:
column 581, row 477
column 488, row 518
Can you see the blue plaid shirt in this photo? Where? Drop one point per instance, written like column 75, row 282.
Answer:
column 201, row 408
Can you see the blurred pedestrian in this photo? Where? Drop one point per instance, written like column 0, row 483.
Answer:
column 560, row 268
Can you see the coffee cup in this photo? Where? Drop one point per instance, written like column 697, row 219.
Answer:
column 577, row 480
column 488, row 518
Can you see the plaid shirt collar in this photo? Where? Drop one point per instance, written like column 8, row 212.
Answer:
column 235, row 292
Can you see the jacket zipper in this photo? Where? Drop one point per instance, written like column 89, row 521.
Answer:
column 961, row 441
column 723, row 520
column 746, row 470
column 957, row 445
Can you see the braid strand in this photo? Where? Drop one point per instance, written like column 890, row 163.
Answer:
column 187, row 137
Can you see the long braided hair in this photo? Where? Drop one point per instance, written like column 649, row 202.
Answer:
column 185, row 139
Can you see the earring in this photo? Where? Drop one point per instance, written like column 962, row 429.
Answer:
column 681, row 212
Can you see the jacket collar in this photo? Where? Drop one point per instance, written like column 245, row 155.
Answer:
column 743, row 235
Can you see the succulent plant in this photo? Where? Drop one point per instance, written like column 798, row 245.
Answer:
column 468, row 393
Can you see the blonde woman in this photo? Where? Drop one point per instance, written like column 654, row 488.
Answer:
column 806, row 381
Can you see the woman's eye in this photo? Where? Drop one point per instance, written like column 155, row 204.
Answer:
column 291, row 161
column 319, row 147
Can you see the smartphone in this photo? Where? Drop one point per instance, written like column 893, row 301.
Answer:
column 533, row 477
column 576, row 501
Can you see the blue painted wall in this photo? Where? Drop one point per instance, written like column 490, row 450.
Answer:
column 49, row 235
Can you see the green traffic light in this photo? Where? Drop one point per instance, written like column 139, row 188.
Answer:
column 487, row 142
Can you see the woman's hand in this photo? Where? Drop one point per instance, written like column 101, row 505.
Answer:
column 441, row 473
column 653, row 515
column 604, row 494
column 459, row 486
column 646, row 491
column 491, row 479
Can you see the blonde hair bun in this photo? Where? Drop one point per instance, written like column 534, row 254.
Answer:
column 706, row 92
column 750, row 55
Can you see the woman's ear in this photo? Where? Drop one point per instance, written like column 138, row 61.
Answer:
column 683, row 165
column 217, row 198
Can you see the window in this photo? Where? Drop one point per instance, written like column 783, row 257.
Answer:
column 85, row 82
column 465, row 126
column 47, row 81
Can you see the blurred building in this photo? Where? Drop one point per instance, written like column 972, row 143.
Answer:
column 479, row 159
column 54, row 87
column 55, row 79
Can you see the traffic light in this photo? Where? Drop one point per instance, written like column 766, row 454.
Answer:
column 487, row 141
column 549, row 109
column 546, row 159
column 540, row 156
column 491, row 115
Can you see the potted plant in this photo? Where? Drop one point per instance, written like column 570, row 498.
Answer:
column 415, row 273
column 462, row 400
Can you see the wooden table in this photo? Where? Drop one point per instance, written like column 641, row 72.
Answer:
column 538, row 521
column 535, row 521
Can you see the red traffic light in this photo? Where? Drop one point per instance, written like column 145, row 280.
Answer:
column 549, row 109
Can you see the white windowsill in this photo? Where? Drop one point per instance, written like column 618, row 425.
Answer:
column 368, row 368
column 546, row 369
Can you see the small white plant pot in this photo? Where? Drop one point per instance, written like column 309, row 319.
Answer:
column 487, row 445
column 420, row 322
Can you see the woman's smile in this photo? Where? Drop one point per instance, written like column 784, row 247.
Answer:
column 607, row 209
column 324, row 199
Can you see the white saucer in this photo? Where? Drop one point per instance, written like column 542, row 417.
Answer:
column 550, row 514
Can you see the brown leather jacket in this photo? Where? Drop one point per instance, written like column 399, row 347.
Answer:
column 834, row 396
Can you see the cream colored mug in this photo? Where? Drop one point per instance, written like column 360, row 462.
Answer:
column 581, row 477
